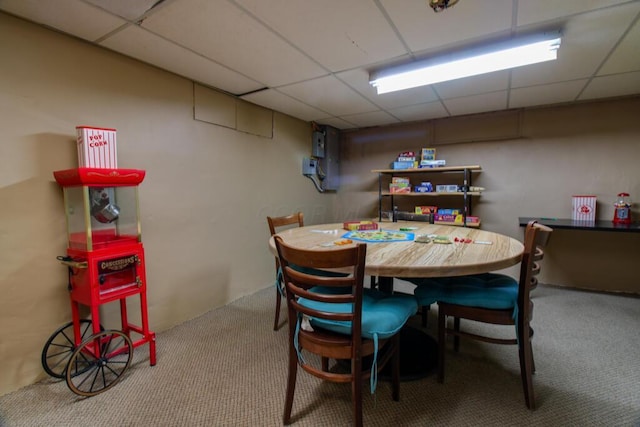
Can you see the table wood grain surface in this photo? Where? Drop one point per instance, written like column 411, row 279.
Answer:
column 413, row 259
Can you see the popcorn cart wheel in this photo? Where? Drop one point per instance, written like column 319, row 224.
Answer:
column 94, row 366
column 99, row 362
column 60, row 346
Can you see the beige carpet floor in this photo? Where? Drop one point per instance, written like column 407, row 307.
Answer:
column 227, row 368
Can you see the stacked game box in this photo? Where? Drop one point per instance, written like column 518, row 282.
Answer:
column 405, row 160
column 428, row 159
column 400, row 185
column 360, row 225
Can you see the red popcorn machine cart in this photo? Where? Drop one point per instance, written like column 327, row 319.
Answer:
column 105, row 260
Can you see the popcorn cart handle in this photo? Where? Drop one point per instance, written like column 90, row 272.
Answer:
column 75, row 264
column 70, row 262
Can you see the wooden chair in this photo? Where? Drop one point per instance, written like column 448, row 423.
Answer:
column 496, row 299
column 348, row 322
column 274, row 224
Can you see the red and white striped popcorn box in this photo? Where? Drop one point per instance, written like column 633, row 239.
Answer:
column 584, row 208
column 97, row 147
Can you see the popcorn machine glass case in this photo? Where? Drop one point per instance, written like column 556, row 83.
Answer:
column 101, row 213
column 105, row 258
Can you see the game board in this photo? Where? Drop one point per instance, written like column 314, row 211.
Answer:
column 374, row 236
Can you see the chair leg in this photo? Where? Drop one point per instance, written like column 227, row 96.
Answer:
column 425, row 314
column 291, row 384
column 325, row 364
column 533, row 362
column 526, row 365
column 442, row 324
column 276, row 320
column 395, row 367
column 356, row 391
column 456, row 338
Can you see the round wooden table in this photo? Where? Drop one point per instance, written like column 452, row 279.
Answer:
column 487, row 252
column 412, row 259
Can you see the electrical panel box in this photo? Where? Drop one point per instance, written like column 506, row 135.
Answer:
column 317, row 146
column 329, row 165
column 309, row 166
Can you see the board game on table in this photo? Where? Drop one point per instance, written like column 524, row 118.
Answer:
column 373, row 236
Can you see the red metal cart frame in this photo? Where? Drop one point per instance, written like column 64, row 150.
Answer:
column 106, row 264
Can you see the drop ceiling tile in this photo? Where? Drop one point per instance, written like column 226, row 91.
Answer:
column 70, row 16
column 359, row 80
column 337, row 123
column 373, row 118
column 477, row 103
column 226, row 34
column 338, row 34
column 431, row 110
column 490, row 82
column 614, row 85
column 531, row 11
column 127, row 9
column 546, row 94
column 626, row 56
column 277, row 101
column 586, row 41
column 422, row 28
column 148, row 47
column 329, row 94
column 292, row 45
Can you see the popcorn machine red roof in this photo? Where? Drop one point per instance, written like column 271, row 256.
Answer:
column 105, row 261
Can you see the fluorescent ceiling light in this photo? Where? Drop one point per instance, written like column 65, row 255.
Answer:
column 511, row 54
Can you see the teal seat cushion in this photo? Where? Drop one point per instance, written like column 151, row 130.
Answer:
column 383, row 315
column 495, row 291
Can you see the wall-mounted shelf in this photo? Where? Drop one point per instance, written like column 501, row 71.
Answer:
column 433, row 194
column 464, row 172
column 428, row 170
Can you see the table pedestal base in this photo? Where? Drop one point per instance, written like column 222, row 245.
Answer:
column 418, row 356
column 418, row 351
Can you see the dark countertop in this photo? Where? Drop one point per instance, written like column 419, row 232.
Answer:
column 569, row 224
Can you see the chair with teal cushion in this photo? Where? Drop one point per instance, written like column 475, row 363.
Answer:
column 275, row 224
column 490, row 291
column 492, row 298
column 429, row 289
column 347, row 322
column 278, row 224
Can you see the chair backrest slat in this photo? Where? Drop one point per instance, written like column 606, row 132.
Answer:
column 303, row 278
column 340, row 289
column 281, row 221
column 275, row 223
column 536, row 237
column 343, row 317
column 539, row 253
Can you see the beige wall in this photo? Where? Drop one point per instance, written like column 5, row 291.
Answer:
column 204, row 201
column 582, row 149
column 209, row 188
